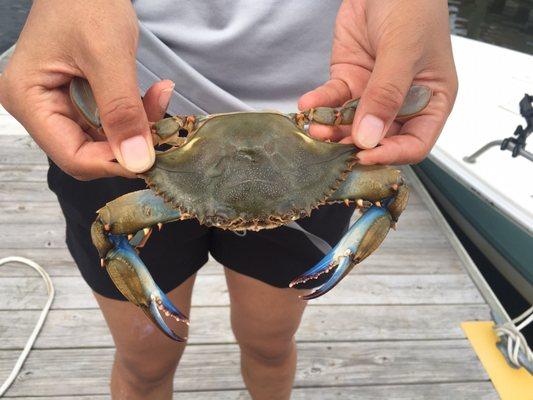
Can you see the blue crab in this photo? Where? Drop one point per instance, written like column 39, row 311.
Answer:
column 245, row 171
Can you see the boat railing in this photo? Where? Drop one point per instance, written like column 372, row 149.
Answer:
column 516, row 144
column 498, row 143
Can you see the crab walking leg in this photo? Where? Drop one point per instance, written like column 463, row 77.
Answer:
column 416, row 100
column 165, row 131
column 363, row 237
column 131, row 213
column 128, row 214
column 134, row 281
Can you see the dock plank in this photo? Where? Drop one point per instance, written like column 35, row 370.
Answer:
column 433, row 391
column 23, row 173
column 210, row 290
column 31, row 213
column 216, row 367
column 19, row 149
column 210, row 325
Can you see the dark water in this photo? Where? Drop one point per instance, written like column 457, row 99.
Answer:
column 507, row 23
column 12, row 16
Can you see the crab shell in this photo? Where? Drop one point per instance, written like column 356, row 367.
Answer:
column 251, row 170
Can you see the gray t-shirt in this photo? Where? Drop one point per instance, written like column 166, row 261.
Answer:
column 227, row 55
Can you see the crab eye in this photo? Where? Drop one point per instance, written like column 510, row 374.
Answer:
column 183, row 133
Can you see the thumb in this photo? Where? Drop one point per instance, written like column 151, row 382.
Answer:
column 123, row 118
column 382, row 99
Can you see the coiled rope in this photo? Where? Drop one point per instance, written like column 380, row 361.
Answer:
column 510, row 332
column 29, row 344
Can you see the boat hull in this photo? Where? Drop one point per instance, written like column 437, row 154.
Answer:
column 504, row 242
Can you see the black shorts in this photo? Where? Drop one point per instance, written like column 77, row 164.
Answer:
column 180, row 249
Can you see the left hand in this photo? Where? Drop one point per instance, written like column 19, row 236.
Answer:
column 381, row 48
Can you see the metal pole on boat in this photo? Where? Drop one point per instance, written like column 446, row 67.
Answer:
column 497, row 143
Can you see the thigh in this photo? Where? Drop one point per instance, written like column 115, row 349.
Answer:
column 263, row 316
column 139, row 343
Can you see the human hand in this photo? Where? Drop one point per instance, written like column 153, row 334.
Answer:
column 96, row 40
column 380, row 48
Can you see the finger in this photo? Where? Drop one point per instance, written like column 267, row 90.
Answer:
column 157, row 98
column 72, row 149
column 414, row 141
column 98, row 161
column 394, row 129
column 333, row 93
column 121, row 111
column 383, row 97
column 332, row 133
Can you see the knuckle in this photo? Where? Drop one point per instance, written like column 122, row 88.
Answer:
column 388, row 95
column 418, row 153
column 120, row 114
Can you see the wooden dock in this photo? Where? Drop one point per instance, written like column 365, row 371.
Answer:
column 389, row 330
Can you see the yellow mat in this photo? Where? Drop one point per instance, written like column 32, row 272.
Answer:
column 511, row 384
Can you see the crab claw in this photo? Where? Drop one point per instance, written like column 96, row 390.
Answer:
column 363, row 237
column 134, row 281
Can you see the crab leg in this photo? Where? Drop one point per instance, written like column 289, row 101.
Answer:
column 164, row 131
column 373, row 184
column 134, row 281
column 416, row 100
column 382, row 206
column 135, row 213
column 363, row 237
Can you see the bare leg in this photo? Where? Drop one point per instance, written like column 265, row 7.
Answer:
column 264, row 320
column 145, row 359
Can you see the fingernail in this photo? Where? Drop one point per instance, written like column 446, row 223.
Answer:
column 370, row 131
column 164, row 97
column 136, row 154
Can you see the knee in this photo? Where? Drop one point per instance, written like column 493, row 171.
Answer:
column 268, row 349
column 146, row 369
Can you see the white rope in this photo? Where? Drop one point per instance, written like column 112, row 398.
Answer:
column 515, row 339
column 40, row 322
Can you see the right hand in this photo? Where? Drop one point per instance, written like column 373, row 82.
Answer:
column 96, row 40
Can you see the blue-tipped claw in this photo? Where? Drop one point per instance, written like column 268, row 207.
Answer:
column 322, row 267
column 363, row 237
column 154, row 315
column 134, row 281
column 340, row 271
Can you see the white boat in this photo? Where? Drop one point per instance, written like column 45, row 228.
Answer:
column 491, row 200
